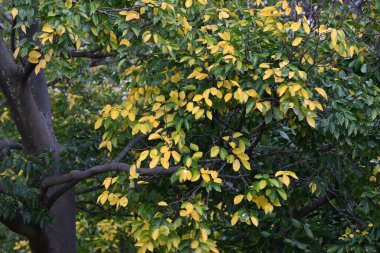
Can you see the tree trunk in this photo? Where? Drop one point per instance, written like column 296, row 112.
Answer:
column 28, row 101
column 58, row 237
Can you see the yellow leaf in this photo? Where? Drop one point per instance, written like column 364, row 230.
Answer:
column 147, row 36
column 194, row 214
column 252, row 93
column 313, row 187
column 298, row 9
column 125, row 42
column 283, row 64
column 306, row 27
column 123, row 201
column 262, row 184
column 296, row 41
column 238, row 199
column 237, row 135
column 107, row 182
column 225, row 36
column 236, row 165
column 246, row 164
column 334, row 35
column 98, row 123
column 280, row 26
column 153, row 163
column 223, row 14
column 352, row 51
column 103, row 197
column 162, row 203
column 310, row 121
column 133, row 172
column 302, row 74
column 201, row 76
column 255, row 221
column 160, row 98
column 194, row 244
column 37, row 69
column 69, row 4
column 144, row 155
column 34, row 54
column 268, row 73
column 176, row 156
column 115, row 114
column 46, row 28
column 214, row 151
column 237, row 151
column 281, row 89
column 14, row 13
column 109, row 146
column 155, row 234
column 164, row 163
column 322, row 92
column 23, row 28
column 208, row 102
column 295, row 26
column 234, row 219
column 78, row 44
column 264, row 66
column 33, row 60
column 154, row 136
column 214, row 174
column 130, row 15
column 188, row 3
column 286, row 180
column 227, row 97
column 15, row 53
column 206, row 177
column 279, row 173
column 197, row 98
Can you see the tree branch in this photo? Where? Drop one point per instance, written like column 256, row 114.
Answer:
column 54, row 82
column 317, row 203
column 76, row 175
column 8, row 144
column 8, row 67
column 7, row 17
column 69, row 180
column 17, row 225
column 88, row 54
column 91, row 189
column 127, row 148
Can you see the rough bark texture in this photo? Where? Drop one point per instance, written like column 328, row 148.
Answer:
column 28, row 100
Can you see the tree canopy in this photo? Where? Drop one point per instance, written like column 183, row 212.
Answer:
column 189, row 126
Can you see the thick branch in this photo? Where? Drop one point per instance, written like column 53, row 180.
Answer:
column 8, row 67
column 8, row 144
column 76, row 175
column 17, row 225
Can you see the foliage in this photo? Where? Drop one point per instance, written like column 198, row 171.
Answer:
column 259, row 122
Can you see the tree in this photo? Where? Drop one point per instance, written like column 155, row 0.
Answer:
column 204, row 125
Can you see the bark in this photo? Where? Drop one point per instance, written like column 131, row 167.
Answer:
column 28, row 100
